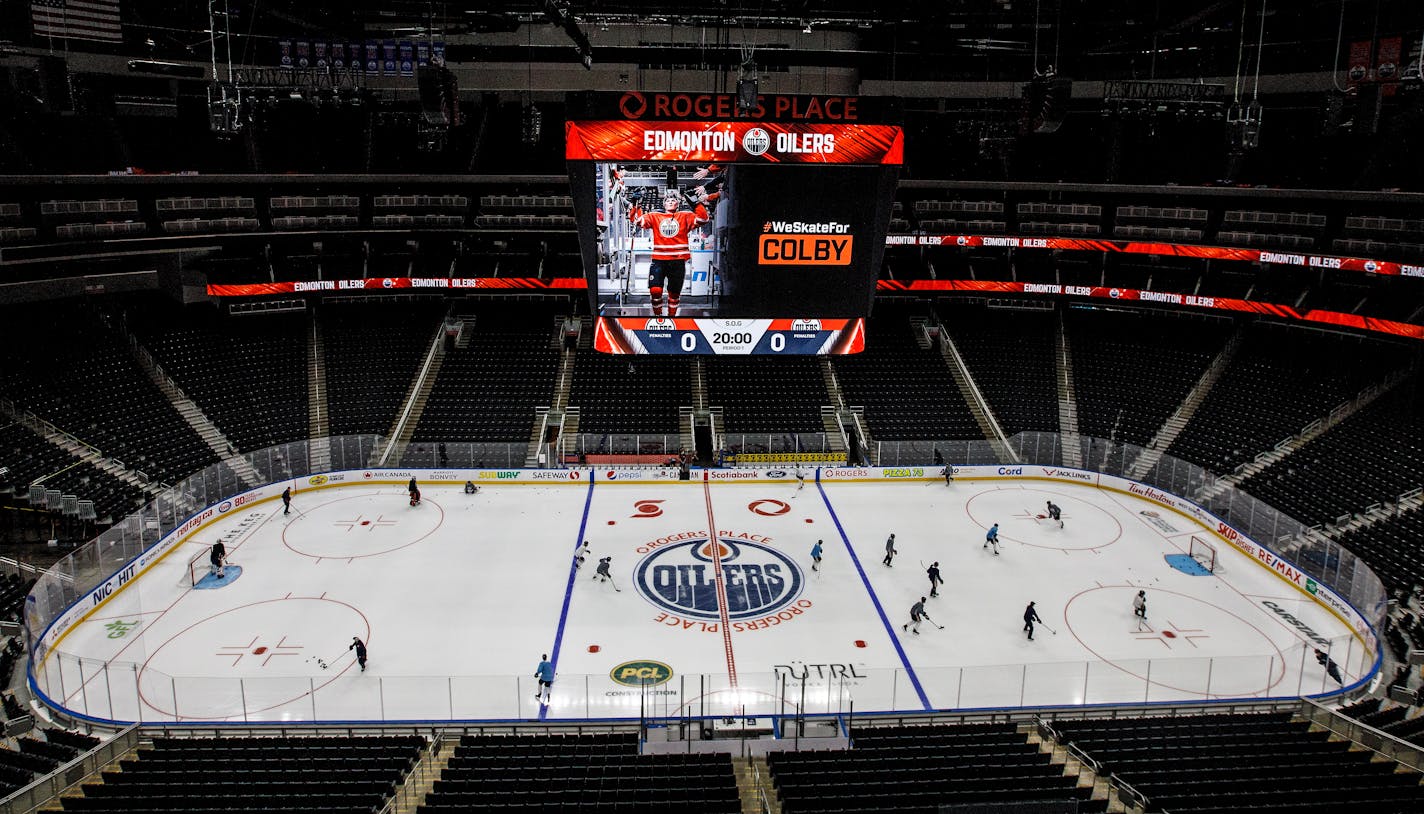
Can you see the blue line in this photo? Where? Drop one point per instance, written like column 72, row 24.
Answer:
column 569, row 590
column 889, row 628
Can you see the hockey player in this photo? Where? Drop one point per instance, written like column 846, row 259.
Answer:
column 816, row 556
column 411, row 487
column 545, row 673
column 948, row 474
column 415, row 497
column 216, row 559
column 1331, row 668
column 471, row 488
column 1055, row 512
column 1030, row 616
column 917, row 612
column 360, row 648
column 580, row 555
column 800, row 478
column 992, row 538
column 890, row 551
column 671, row 249
column 935, row 579
column 602, row 574
column 1139, row 605
column 287, row 500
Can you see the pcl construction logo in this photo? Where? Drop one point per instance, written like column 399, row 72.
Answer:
column 803, row 243
column 641, row 673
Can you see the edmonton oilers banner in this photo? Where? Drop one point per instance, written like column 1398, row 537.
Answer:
column 759, row 581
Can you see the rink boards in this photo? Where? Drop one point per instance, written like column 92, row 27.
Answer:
column 743, row 618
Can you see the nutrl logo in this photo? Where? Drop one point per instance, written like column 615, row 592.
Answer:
column 641, row 673
column 759, row 581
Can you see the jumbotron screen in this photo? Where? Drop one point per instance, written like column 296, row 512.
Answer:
column 707, row 228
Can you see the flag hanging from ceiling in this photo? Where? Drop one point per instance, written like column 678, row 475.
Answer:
column 77, row 19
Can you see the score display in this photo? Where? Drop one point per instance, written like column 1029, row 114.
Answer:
column 708, row 229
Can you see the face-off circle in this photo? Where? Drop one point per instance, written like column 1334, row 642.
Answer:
column 362, row 526
column 1023, row 518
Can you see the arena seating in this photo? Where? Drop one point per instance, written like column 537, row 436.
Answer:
column 1373, row 456
column 1280, row 381
column 1132, row 370
column 85, row 381
column 36, row 757
column 1392, row 548
column 488, row 390
column 908, row 392
column 761, row 394
column 619, row 395
column 1012, row 357
column 248, row 374
column 373, row 351
column 1257, row 763
column 590, row 772
column 30, row 457
column 326, row 774
column 920, row 768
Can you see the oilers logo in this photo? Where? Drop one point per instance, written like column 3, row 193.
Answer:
column 756, row 141
column 681, row 579
column 660, row 324
column 669, row 227
column 805, row 325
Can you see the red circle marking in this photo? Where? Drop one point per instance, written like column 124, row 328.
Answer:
column 438, row 523
column 1169, row 634
column 769, row 507
column 593, row 648
column 612, row 522
column 1010, row 537
column 145, row 666
column 365, row 522
column 809, row 520
column 259, row 651
column 860, row 643
column 1280, row 658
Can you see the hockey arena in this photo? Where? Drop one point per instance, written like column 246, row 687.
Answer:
column 459, row 597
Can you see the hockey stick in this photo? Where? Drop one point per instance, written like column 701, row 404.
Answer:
column 933, row 622
column 1050, row 630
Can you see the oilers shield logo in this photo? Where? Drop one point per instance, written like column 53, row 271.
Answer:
column 681, row 578
column 805, row 325
column 668, row 227
column 660, row 324
column 756, row 141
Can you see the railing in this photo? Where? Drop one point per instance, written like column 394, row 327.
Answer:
column 127, row 692
column 49, row 787
column 759, row 443
column 1382, row 743
column 464, row 455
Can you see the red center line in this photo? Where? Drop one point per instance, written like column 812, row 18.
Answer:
column 720, row 583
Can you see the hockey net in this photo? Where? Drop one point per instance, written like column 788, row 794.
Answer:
column 198, row 567
column 1205, row 554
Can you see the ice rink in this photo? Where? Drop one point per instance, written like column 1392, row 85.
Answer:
column 458, row 598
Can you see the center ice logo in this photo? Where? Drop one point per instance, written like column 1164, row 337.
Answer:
column 681, row 579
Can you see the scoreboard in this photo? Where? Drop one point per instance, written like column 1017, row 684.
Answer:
column 709, row 229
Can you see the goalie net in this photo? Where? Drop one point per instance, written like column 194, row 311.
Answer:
column 198, row 567
column 1205, row 554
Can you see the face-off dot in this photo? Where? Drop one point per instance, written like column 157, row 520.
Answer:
column 593, row 648
column 1168, row 634
column 259, row 651
column 860, row 643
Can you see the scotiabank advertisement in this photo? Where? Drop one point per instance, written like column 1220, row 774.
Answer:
column 731, row 231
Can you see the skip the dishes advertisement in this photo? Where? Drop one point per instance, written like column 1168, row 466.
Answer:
column 1218, row 531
